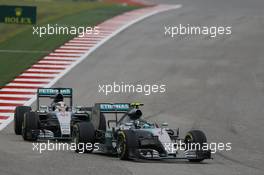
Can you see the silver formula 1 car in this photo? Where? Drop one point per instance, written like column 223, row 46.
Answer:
column 52, row 121
column 119, row 129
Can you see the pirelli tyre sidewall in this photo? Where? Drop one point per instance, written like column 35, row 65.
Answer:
column 83, row 133
column 195, row 136
column 18, row 118
column 29, row 125
column 127, row 143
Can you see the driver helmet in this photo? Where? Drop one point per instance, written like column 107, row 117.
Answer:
column 58, row 98
column 61, row 106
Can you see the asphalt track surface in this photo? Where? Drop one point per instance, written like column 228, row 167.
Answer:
column 214, row 85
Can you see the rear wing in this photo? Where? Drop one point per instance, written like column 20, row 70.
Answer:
column 113, row 108
column 51, row 92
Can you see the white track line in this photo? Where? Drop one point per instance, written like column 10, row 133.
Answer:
column 37, row 75
column 12, row 101
column 42, row 70
column 8, row 107
column 83, row 41
column 78, row 44
column 18, row 90
column 52, row 62
column 7, row 114
column 68, row 50
column 57, row 58
column 32, row 80
column 16, row 95
column 74, row 47
column 50, row 66
column 25, row 85
column 64, row 54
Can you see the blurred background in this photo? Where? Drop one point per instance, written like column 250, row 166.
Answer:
column 19, row 48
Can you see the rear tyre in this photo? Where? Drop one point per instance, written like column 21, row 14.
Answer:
column 30, row 125
column 197, row 137
column 83, row 135
column 18, row 118
column 126, row 143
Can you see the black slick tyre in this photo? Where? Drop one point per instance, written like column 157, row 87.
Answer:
column 127, row 143
column 195, row 137
column 29, row 126
column 18, row 118
column 83, row 133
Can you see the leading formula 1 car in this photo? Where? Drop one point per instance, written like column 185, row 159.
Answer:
column 53, row 121
column 119, row 129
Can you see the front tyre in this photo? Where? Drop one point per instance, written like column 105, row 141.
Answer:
column 193, row 139
column 126, row 143
column 83, row 134
column 18, row 118
column 29, row 125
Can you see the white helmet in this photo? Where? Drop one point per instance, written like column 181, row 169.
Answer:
column 61, row 106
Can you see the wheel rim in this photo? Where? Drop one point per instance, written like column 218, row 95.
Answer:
column 120, row 146
column 188, row 139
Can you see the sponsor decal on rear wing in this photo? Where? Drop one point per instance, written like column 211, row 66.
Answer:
column 116, row 107
column 51, row 92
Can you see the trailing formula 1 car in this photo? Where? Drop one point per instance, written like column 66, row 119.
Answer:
column 53, row 121
column 119, row 129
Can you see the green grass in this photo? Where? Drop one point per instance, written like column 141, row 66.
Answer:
column 19, row 37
